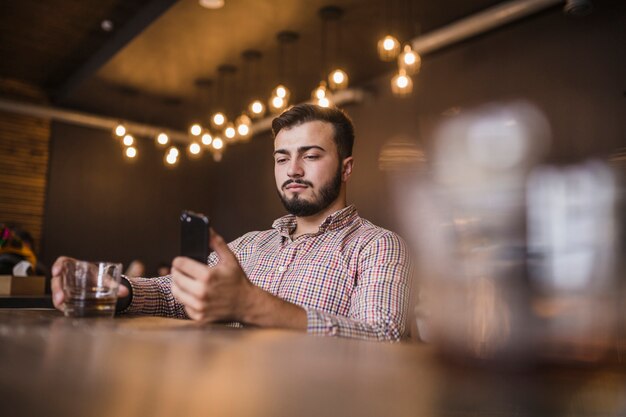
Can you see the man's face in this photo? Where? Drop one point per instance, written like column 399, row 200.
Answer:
column 307, row 168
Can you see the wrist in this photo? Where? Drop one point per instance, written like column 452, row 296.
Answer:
column 249, row 306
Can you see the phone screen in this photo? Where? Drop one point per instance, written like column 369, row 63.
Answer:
column 194, row 236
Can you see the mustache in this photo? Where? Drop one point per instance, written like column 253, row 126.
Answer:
column 298, row 181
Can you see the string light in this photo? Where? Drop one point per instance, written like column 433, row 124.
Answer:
column 320, row 92
column 162, row 139
column 128, row 140
column 171, row 159
column 277, row 103
column 194, row 149
column 195, row 129
column 218, row 143
column 409, row 60
column 243, row 123
column 323, row 102
column 130, row 152
column 401, row 84
column 388, row 48
column 120, row 130
column 257, row 108
column 230, row 131
column 338, row 79
column 207, row 139
column 173, row 150
column 218, row 120
column 281, row 91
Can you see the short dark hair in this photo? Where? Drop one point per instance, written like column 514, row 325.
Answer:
column 303, row 113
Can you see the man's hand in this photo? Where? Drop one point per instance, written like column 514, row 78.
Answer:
column 222, row 292
column 58, row 296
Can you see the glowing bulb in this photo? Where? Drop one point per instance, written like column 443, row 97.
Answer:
column 257, row 108
column 218, row 143
column 195, row 129
column 388, row 48
column 171, row 159
column 243, row 123
column 230, row 132
column 194, row 148
column 131, row 152
column 320, row 92
column 278, row 102
column 338, row 79
column 173, row 151
column 323, row 102
column 218, row 119
column 280, row 91
column 120, row 130
column 401, row 84
column 128, row 140
column 207, row 139
column 162, row 138
column 409, row 60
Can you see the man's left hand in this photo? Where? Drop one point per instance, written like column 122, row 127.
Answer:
column 219, row 293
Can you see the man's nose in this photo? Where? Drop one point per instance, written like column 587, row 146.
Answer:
column 295, row 169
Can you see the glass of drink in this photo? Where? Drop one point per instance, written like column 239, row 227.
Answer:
column 90, row 288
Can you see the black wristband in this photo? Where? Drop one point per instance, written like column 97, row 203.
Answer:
column 124, row 302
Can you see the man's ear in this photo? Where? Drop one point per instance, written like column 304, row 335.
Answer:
column 346, row 168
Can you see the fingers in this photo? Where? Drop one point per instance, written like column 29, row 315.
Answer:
column 221, row 248
column 191, row 268
column 122, row 291
column 57, row 267
column 57, row 292
column 188, row 299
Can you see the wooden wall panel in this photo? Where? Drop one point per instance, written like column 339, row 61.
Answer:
column 23, row 170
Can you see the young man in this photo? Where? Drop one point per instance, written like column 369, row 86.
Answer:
column 322, row 268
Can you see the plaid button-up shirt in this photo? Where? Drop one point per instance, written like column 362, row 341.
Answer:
column 351, row 277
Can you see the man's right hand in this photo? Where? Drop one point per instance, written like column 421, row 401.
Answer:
column 57, row 287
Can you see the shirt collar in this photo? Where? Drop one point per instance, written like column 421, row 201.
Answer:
column 286, row 225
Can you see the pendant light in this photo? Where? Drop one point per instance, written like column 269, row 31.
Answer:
column 331, row 16
column 388, row 46
column 279, row 99
column 252, row 58
column 401, row 84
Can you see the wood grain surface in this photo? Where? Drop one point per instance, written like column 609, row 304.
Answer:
column 148, row 366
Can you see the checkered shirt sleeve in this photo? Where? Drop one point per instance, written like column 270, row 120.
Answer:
column 378, row 306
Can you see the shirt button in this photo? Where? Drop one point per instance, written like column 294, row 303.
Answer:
column 281, row 269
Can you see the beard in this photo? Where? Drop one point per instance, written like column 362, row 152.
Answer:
column 302, row 208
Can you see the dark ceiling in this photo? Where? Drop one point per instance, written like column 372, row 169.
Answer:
column 146, row 67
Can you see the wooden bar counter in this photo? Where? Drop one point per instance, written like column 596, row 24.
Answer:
column 148, row 366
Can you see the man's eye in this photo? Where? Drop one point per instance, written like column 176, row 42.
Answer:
column 280, row 161
column 311, row 157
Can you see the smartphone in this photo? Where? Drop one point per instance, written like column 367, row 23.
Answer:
column 194, row 236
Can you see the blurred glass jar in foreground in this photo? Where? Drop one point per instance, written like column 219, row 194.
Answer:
column 516, row 261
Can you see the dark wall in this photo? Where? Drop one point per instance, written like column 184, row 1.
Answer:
column 100, row 206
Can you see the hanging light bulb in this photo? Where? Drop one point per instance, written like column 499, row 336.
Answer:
column 256, row 108
column 170, row 159
column 218, row 143
column 162, row 139
column 207, row 139
column 388, row 48
column 230, row 131
column 173, row 150
column 218, row 120
column 320, row 92
column 401, row 84
column 338, row 79
column 277, row 104
column 194, row 149
column 195, row 129
column 323, row 102
column 128, row 140
column 243, row 123
column 120, row 130
column 130, row 152
column 409, row 60
column 282, row 92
